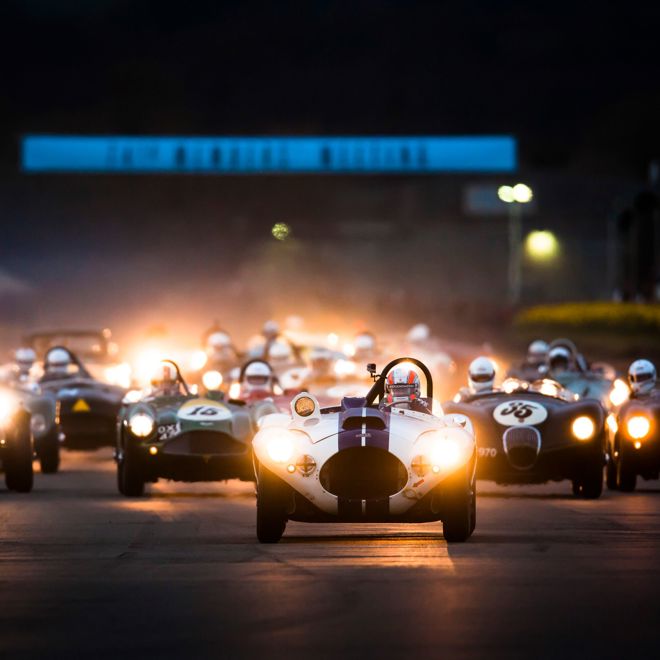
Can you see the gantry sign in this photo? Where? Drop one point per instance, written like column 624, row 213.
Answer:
column 267, row 155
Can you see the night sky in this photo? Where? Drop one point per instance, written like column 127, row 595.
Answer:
column 579, row 85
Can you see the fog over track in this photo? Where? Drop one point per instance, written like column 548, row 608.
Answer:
column 84, row 571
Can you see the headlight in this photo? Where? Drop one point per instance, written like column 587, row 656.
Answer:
column 583, row 428
column 612, row 423
column 141, row 425
column 280, row 447
column 212, row 380
column 638, row 427
column 445, row 452
column 7, row 408
column 619, row 393
column 304, row 406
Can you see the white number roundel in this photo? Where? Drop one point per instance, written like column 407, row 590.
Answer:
column 518, row 412
column 203, row 410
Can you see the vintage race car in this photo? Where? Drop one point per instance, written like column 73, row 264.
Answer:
column 75, row 410
column 16, row 451
column 364, row 462
column 533, row 433
column 184, row 437
column 633, row 444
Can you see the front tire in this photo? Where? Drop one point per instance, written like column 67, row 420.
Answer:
column 272, row 496
column 48, row 453
column 589, row 485
column 130, row 475
column 19, row 473
column 626, row 477
column 459, row 513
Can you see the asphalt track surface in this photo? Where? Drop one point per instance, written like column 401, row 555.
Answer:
column 85, row 572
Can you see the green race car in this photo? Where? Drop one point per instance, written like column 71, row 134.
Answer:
column 173, row 433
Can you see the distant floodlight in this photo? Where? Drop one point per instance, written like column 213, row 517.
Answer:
column 541, row 245
column 522, row 193
column 281, row 231
column 505, row 193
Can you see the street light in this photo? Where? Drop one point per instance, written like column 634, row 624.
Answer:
column 515, row 196
column 541, row 245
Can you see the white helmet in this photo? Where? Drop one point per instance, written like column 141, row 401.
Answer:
column 481, row 375
column 402, row 386
column 560, row 359
column 364, row 344
column 419, row 334
column 280, row 352
column 57, row 361
column 537, row 352
column 271, row 329
column 218, row 340
column 257, row 377
column 25, row 358
column 641, row 376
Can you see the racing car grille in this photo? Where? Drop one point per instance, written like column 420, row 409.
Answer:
column 522, row 445
column 363, row 473
column 204, row 443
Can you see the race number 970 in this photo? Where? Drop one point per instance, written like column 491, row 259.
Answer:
column 486, row 452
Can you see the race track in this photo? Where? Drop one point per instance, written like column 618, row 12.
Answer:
column 85, row 572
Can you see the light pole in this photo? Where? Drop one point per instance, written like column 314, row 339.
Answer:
column 515, row 197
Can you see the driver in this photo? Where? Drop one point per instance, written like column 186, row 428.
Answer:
column 24, row 359
column 56, row 365
column 560, row 362
column 220, row 350
column 365, row 347
column 642, row 377
column 481, row 375
column 537, row 354
column 257, row 381
column 402, row 390
column 165, row 382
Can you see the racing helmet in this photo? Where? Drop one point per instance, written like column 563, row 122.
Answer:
column 560, row 359
column 537, row 352
column 24, row 358
column 270, row 329
column 481, row 375
column 280, row 352
column 419, row 334
column 57, row 362
column 364, row 345
column 218, row 341
column 257, row 378
column 642, row 376
column 402, row 385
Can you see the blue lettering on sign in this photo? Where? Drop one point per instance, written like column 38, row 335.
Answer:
column 268, row 155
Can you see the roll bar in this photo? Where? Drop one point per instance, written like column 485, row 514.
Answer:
column 378, row 389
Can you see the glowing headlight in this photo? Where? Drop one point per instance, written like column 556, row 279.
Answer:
column 212, row 380
column 7, row 408
column 612, row 423
column 583, row 428
column 280, row 447
column 305, row 406
column 620, row 393
column 198, row 360
column 235, row 391
column 445, row 454
column 638, row 427
column 141, row 425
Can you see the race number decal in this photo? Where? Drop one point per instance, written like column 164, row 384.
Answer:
column 203, row 410
column 487, row 452
column 517, row 411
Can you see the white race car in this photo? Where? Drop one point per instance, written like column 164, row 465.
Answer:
column 364, row 461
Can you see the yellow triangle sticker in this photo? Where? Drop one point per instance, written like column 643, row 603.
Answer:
column 81, row 406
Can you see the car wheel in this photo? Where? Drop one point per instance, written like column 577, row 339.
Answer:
column 272, row 495
column 48, row 453
column 458, row 498
column 130, row 477
column 591, row 482
column 19, row 473
column 610, row 475
column 625, row 477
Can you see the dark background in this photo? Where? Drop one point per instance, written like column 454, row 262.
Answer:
column 577, row 84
